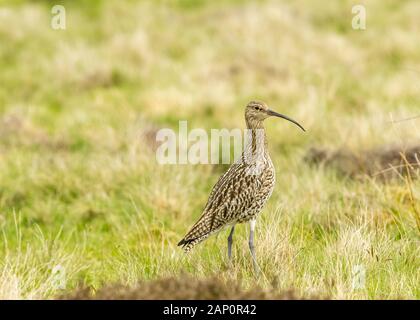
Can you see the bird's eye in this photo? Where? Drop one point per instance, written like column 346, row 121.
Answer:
column 257, row 108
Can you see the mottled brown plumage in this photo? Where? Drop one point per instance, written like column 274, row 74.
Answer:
column 241, row 193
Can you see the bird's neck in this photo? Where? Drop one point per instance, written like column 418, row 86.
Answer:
column 257, row 138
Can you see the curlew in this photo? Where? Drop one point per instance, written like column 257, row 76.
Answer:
column 242, row 191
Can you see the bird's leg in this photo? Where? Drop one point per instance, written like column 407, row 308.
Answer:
column 251, row 244
column 230, row 241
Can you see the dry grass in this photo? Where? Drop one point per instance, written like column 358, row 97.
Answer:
column 78, row 171
column 182, row 288
column 384, row 164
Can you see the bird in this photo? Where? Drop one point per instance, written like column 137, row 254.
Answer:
column 242, row 191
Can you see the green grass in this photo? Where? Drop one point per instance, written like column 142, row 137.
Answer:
column 81, row 189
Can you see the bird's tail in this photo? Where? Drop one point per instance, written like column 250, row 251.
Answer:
column 189, row 243
column 198, row 233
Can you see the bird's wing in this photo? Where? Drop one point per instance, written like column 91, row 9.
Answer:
column 233, row 194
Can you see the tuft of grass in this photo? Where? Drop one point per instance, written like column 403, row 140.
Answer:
column 80, row 187
column 383, row 164
column 183, row 288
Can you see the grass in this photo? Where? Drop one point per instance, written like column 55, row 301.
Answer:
column 80, row 188
column 183, row 288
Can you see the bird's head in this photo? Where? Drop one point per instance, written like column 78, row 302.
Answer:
column 256, row 112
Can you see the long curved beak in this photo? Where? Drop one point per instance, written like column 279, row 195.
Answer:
column 279, row 115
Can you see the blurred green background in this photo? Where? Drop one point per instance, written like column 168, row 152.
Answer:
column 79, row 109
